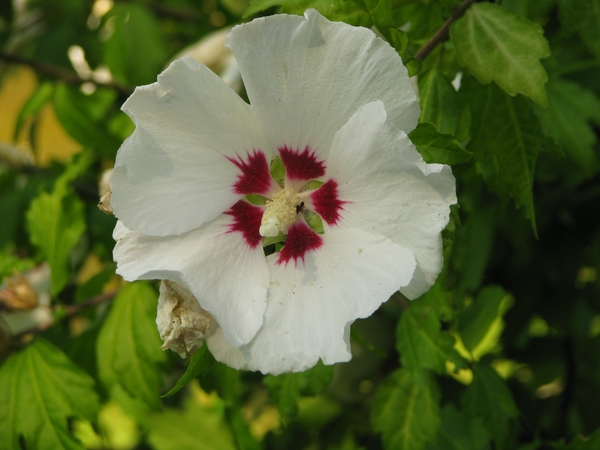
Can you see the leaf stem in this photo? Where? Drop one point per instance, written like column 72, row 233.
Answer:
column 442, row 34
column 64, row 75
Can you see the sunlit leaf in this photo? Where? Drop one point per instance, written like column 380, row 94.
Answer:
column 40, row 388
column 489, row 398
column 128, row 346
column 405, row 412
column 196, row 427
column 496, row 45
column 475, row 321
column 436, row 147
column 422, row 343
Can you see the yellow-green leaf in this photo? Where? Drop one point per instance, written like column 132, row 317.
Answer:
column 39, row 389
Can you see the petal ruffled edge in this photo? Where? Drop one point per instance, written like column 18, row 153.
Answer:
column 306, row 76
column 191, row 149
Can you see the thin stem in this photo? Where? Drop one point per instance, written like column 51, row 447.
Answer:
column 442, row 34
column 64, row 75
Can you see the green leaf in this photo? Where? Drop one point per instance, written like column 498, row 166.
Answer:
column 128, row 345
column 421, row 342
column 34, row 104
column 436, row 147
column 286, row 389
column 497, row 45
column 475, row 321
column 383, row 19
column 40, row 389
column 199, row 365
column 341, row 11
column 570, row 109
column 458, row 432
column 439, row 101
column 488, row 398
column 506, row 140
column 136, row 50
column 82, row 119
column 405, row 412
column 196, row 427
column 583, row 16
column 56, row 221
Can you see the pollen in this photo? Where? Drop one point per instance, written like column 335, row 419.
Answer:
column 280, row 213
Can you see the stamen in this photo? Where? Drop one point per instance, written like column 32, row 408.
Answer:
column 280, row 213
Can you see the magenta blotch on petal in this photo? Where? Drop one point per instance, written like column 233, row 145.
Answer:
column 326, row 202
column 246, row 220
column 300, row 240
column 303, row 165
column 255, row 177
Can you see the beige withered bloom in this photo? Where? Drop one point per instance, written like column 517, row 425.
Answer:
column 105, row 192
column 18, row 294
column 183, row 325
column 25, row 300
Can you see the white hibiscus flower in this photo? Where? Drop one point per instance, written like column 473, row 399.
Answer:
column 333, row 103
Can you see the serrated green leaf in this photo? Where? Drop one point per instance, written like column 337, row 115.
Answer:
column 40, row 389
column 436, row 147
column 488, row 398
column 458, row 432
column 128, row 345
column 570, row 109
column 439, row 101
column 196, row 427
column 285, row 389
column 344, row 11
column 405, row 412
column 506, row 140
column 199, row 365
column 136, row 50
column 495, row 44
column 56, row 221
column 421, row 342
column 475, row 321
column 583, row 16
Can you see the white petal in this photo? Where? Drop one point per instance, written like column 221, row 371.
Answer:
column 173, row 174
column 391, row 190
column 305, row 77
column 224, row 352
column 228, row 277
column 312, row 303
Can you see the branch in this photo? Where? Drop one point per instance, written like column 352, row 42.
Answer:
column 64, row 75
column 442, row 34
column 72, row 310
